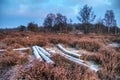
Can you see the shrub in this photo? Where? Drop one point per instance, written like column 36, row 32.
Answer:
column 41, row 71
column 75, row 71
column 63, row 70
column 16, row 45
column 12, row 58
column 115, row 39
column 117, row 69
column 117, row 49
column 2, row 36
column 3, row 45
column 90, row 45
column 109, row 60
column 57, row 40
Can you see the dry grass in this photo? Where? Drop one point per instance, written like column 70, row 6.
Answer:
column 40, row 39
column 115, row 38
column 108, row 58
column 12, row 58
column 2, row 36
column 41, row 71
column 87, row 44
column 63, row 70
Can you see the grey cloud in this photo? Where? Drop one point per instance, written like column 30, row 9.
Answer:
column 116, row 3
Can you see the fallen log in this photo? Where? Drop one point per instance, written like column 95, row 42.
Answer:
column 21, row 49
column 68, row 52
column 47, row 59
column 44, row 51
column 17, row 49
column 3, row 50
column 35, row 52
column 78, row 61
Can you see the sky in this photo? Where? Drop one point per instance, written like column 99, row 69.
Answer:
column 20, row 12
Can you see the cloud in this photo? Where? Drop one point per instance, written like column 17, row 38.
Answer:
column 116, row 3
column 22, row 9
column 38, row 9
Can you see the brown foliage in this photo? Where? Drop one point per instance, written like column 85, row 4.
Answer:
column 63, row 70
column 115, row 38
column 1, row 36
column 41, row 71
column 87, row 44
column 12, row 58
column 109, row 60
column 58, row 40
column 25, row 41
column 76, row 71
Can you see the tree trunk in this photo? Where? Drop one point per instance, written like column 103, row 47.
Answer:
column 86, row 29
column 115, row 30
column 60, row 29
column 108, row 29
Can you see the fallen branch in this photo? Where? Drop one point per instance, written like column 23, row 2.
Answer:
column 18, row 49
column 68, row 52
column 78, row 61
column 3, row 50
column 47, row 59
column 21, row 49
column 44, row 51
column 35, row 52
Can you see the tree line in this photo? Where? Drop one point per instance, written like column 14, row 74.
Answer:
column 59, row 23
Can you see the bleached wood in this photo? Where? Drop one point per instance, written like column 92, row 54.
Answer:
column 17, row 49
column 21, row 49
column 68, row 52
column 44, row 51
column 78, row 61
column 70, row 56
column 35, row 52
column 3, row 50
column 47, row 59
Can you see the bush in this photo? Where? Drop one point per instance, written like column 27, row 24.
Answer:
column 90, row 45
column 41, row 71
column 109, row 60
column 12, row 58
column 63, row 70
column 57, row 40
column 75, row 71
column 2, row 36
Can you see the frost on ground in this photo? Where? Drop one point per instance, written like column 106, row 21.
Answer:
column 114, row 44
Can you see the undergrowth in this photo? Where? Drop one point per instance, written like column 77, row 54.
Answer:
column 12, row 58
column 63, row 70
column 87, row 44
column 109, row 60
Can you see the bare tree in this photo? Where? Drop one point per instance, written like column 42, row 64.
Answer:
column 115, row 26
column 109, row 19
column 61, row 22
column 49, row 21
column 86, row 16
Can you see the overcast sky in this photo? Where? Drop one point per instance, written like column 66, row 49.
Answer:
column 20, row 12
